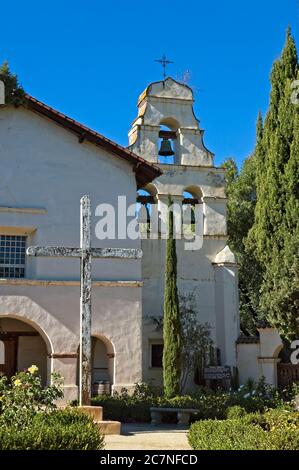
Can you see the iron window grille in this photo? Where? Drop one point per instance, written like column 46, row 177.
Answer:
column 12, row 256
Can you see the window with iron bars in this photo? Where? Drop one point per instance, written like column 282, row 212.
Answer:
column 12, row 256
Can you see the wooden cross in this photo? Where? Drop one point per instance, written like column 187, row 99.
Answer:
column 85, row 253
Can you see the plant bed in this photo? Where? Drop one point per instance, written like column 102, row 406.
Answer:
column 210, row 404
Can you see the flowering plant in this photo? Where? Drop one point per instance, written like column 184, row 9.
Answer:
column 259, row 389
column 23, row 396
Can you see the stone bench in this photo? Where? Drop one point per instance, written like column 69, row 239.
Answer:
column 183, row 414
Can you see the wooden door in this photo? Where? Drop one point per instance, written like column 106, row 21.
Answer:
column 10, row 356
column 287, row 374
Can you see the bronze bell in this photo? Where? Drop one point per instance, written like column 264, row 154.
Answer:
column 166, row 149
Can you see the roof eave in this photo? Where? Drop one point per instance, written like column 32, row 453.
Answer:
column 144, row 171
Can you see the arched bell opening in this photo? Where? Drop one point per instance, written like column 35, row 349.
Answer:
column 167, row 143
column 146, row 205
column 192, row 194
column 192, row 198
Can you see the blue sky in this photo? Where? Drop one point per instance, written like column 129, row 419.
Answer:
column 91, row 59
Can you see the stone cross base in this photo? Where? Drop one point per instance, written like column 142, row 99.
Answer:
column 96, row 413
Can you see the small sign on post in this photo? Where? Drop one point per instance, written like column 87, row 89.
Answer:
column 217, row 373
column 220, row 373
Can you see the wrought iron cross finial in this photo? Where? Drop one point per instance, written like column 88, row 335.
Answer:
column 164, row 62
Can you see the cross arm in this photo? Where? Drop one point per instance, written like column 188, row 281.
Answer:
column 62, row 252
column 58, row 251
column 122, row 253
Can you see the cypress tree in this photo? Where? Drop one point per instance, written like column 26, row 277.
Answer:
column 171, row 322
column 272, row 239
column 281, row 286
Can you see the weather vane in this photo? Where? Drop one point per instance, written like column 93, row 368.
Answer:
column 164, row 62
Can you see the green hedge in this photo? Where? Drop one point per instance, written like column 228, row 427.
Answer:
column 273, row 430
column 59, row 430
column 127, row 408
column 131, row 409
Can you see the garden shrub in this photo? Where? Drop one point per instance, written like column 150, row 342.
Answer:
column 282, row 429
column 58, row 430
column 29, row 418
column 236, row 411
column 225, row 435
column 272, row 430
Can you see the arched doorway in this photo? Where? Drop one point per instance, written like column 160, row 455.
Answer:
column 21, row 346
column 102, row 362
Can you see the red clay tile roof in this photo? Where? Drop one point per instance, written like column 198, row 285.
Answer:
column 144, row 171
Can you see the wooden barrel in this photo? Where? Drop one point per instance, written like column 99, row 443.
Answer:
column 102, row 387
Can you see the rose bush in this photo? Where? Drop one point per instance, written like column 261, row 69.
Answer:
column 23, row 396
column 30, row 420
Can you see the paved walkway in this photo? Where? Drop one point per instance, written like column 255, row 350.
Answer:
column 147, row 437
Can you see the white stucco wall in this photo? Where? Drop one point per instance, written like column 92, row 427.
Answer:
column 248, row 367
column 54, row 313
column 176, row 178
column 43, row 166
column 261, row 358
column 44, row 173
column 227, row 312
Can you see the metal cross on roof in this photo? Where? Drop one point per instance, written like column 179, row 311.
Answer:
column 164, row 62
column 85, row 253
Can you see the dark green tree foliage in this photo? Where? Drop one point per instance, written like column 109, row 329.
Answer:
column 273, row 239
column 241, row 192
column 171, row 321
column 14, row 93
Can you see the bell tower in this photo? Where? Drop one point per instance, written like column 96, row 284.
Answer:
column 167, row 133
column 167, row 127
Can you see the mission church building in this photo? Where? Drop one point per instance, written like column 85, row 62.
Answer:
column 48, row 162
